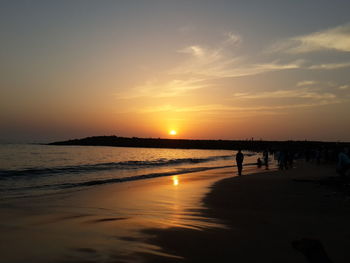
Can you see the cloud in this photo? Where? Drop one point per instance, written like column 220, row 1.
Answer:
column 344, row 87
column 278, row 66
column 330, row 66
column 232, row 39
column 217, row 63
column 305, row 93
column 337, row 38
column 159, row 89
column 195, row 50
column 222, row 61
column 306, row 83
column 201, row 64
column 307, row 97
column 204, row 66
column 242, row 110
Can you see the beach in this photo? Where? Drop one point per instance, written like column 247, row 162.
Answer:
column 266, row 214
column 202, row 216
column 95, row 204
column 107, row 223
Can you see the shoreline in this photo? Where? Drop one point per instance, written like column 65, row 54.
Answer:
column 207, row 216
column 266, row 214
column 106, row 223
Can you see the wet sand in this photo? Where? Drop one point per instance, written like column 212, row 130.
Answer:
column 250, row 218
column 266, row 214
column 106, row 223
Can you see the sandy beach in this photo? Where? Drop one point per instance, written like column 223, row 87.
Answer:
column 211, row 216
column 107, row 223
column 265, row 213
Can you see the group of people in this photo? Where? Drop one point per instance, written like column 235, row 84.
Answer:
column 286, row 158
column 339, row 156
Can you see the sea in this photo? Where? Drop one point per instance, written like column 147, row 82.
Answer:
column 28, row 170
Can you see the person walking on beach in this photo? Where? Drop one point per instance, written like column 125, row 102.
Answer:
column 239, row 161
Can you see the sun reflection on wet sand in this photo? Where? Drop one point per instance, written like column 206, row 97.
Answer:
column 115, row 217
column 175, row 180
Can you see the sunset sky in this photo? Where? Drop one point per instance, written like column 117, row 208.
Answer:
column 275, row 70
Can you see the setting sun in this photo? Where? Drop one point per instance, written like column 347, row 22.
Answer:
column 172, row 132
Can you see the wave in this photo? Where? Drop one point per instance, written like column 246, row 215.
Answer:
column 47, row 189
column 119, row 180
column 62, row 186
column 30, row 172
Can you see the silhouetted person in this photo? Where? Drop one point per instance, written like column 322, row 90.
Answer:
column 318, row 156
column 286, row 159
column 259, row 162
column 239, row 161
column 343, row 165
column 307, row 155
column 326, row 154
column 282, row 160
column 290, row 159
column 266, row 159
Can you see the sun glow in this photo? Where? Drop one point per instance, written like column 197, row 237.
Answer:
column 172, row 132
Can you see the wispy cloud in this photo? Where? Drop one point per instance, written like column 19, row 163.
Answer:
column 232, row 39
column 278, row 66
column 305, row 93
column 195, row 50
column 233, row 110
column 306, row 83
column 330, row 66
column 220, row 63
column 306, row 98
column 203, row 64
column 231, row 68
column 159, row 89
column 337, row 38
column 344, row 87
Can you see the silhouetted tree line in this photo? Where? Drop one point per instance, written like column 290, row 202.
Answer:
column 257, row 145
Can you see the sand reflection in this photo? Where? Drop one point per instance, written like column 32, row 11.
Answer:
column 115, row 218
column 175, row 180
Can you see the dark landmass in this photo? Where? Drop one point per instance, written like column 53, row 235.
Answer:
column 256, row 145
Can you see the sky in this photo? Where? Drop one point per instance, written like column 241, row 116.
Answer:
column 271, row 70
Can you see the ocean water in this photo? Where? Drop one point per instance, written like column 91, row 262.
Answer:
column 32, row 170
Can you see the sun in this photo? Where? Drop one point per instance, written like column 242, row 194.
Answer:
column 172, row 132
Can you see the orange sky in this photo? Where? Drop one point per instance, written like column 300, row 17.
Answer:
column 219, row 70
